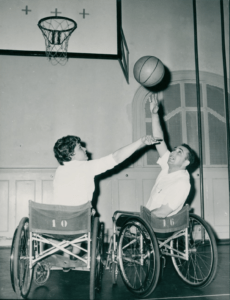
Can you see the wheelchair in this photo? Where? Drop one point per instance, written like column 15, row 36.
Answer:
column 40, row 240
column 141, row 242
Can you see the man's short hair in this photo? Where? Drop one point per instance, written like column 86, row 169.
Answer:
column 191, row 157
column 64, row 148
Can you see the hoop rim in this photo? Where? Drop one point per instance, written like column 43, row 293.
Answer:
column 57, row 17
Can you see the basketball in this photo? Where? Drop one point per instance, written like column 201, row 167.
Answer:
column 148, row 71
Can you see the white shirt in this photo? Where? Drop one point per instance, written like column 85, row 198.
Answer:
column 170, row 188
column 74, row 181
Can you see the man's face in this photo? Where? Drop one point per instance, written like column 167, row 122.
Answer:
column 179, row 157
column 79, row 153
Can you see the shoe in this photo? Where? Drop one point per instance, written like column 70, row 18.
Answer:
column 66, row 270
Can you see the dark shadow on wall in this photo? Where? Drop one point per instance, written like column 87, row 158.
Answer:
column 117, row 169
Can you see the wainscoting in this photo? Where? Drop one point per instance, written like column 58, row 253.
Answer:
column 124, row 191
column 17, row 186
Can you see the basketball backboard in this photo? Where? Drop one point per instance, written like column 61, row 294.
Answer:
column 97, row 32
column 98, row 35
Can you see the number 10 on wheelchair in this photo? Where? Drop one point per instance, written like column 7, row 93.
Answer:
column 140, row 243
column 40, row 240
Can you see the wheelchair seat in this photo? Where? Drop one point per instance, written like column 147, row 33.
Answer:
column 165, row 227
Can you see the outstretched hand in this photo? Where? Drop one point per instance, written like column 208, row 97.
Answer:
column 154, row 103
column 150, row 140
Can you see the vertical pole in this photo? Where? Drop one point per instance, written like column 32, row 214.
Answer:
column 198, row 111
column 225, row 89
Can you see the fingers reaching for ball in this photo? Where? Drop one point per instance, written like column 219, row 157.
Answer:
column 154, row 103
column 150, row 140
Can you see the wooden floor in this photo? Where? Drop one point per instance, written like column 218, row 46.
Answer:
column 75, row 285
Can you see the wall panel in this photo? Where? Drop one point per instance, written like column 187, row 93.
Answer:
column 221, row 204
column 4, row 200
column 127, row 195
column 25, row 190
column 147, row 185
column 47, row 191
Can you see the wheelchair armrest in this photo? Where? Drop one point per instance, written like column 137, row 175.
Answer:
column 128, row 213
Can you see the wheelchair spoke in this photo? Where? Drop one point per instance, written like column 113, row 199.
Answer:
column 194, row 264
column 131, row 261
column 137, row 277
column 41, row 273
column 138, row 272
column 132, row 242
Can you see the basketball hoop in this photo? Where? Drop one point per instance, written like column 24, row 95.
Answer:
column 56, row 32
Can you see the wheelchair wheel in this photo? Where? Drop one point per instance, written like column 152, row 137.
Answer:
column 138, row 256
column 96, row 265
column 200, row 269
column 41, row 273
column 20, row 258
column 12, row 260
column 114, row 272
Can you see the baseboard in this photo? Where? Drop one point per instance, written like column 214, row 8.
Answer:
column 221, row 242
column 5, row 242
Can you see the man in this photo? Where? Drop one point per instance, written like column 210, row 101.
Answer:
column 172, row 185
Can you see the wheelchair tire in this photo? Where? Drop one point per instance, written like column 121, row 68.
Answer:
column 22, row 273
column 102, row 237
column 99, row 257
column 138, row 257
column 41, row 273
column 12, row 260
column 96, row 263
column 113, row 267
column 114, row 273
column 200, row 269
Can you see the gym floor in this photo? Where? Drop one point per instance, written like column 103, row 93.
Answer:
column 75, row 285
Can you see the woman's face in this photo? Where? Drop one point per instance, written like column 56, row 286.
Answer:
column 79, row 153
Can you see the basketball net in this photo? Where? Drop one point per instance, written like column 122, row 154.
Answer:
column 56, row 32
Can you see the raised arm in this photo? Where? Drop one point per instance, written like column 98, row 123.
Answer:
column 156, row 126
column 123, row 153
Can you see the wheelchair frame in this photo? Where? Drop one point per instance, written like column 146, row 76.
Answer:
column 28, row 258
column 61, row 246
column 190, row 236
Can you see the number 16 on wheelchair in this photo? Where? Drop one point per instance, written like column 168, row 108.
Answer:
column 140, row 243
column 40, row 240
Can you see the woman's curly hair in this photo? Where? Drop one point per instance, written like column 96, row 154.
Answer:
column 64, row 148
